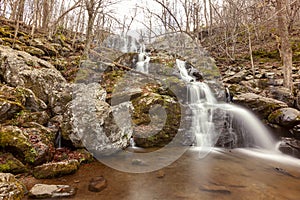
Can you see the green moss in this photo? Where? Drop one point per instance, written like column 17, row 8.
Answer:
column 12, row 137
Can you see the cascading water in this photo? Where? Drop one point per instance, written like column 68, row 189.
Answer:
column 200, row 101
column 226, row 124
column 142, row 64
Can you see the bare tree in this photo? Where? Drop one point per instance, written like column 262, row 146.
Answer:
column 285, row 46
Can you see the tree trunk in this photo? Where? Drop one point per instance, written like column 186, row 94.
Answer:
column 46, row 14
column 21, row 8
column 285, row 46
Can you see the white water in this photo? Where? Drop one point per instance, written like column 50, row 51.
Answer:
column 200, row 99
column 203, row 104
column 143, row 61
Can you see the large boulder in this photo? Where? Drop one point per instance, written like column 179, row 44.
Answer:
column 261, row 106
column 18, row 68
column 287, row 117
column 32, row 144
column 92, row 123
column 11, row 189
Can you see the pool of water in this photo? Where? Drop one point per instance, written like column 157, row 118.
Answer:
column 221, row 174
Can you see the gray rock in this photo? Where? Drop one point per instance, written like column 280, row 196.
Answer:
column 282, row 94
column 295, row 131
column 91, row 123
column 21, row 69
column 56, row 169
column 286, row 117
column 290, row 146
column 260, row 105
column 44, row 191
column 238, row 77
column 11, row 189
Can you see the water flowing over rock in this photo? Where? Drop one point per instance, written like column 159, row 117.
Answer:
column 11, row 189
column 261, row 106
column 89, row 121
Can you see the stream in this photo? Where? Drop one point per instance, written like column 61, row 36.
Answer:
column 222, row 174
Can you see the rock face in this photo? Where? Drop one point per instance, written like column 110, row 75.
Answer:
column 11, row 189
column 18, row 68
column 44, row 191
column 90, row 122
column 56, row 169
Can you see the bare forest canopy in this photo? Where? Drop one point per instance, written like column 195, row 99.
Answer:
column 224, row 27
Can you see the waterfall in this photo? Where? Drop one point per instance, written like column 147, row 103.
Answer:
column 142, row 64
column 200, row 101
column 227, row 124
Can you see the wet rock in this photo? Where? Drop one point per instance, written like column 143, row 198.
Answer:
column 56, row 169
column 32, row 144
column 91, row 123
column 286, row 117
column 261, row 106
column 296, row 131
column 11, row 189
column 97, row 184
column 9, row 164
column 44, row 191
column 290, row 146
column 20, row 69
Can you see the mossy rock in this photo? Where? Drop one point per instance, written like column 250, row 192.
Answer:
column 56, row 169
column 9, row 164
column 31, row 145
column 157, row 119
column 285, row 117
column 34, row 51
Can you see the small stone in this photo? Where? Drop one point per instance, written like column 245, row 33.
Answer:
column 43, row 191
column 97, row 184
column 160, row 174
column 138, row 162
